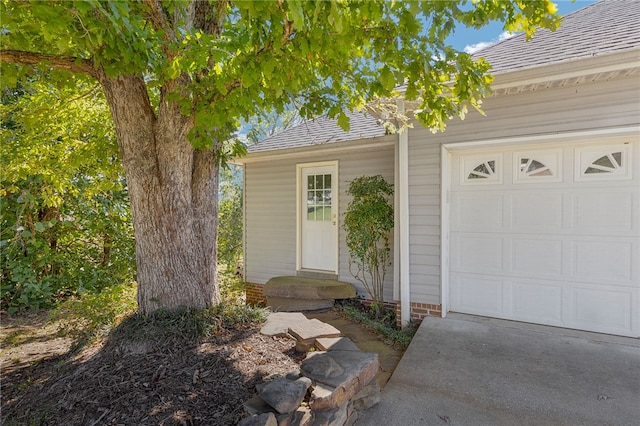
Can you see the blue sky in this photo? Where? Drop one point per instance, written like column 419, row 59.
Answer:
column 470, row 38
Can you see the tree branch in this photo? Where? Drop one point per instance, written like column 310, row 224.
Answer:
column 207, row 18
column 61, row 62
column 160, row 20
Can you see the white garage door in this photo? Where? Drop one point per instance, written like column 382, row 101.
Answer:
column 548, row 235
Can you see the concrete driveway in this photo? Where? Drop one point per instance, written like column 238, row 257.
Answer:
column 467, row 370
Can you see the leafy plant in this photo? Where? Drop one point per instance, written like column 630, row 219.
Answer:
column 368, row 222
column 230, row 218
column 65, row 224
column 381, row 322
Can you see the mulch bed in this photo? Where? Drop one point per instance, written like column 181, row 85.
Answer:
column 171, row 382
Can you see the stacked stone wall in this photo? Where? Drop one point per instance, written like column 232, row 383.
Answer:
column 335, row 381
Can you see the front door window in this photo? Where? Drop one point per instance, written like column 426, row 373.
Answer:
column 319, row 197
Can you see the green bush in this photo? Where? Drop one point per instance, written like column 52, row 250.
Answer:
column 65, row 224
column 230, row 219
column 382, row 321
column 368, row 223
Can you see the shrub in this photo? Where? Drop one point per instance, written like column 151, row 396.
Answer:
column 368, row 222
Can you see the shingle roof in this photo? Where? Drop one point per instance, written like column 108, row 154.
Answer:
column 322, row 130
column 599, row 29
column 604, row 27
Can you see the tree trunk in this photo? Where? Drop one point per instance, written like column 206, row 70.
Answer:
column 173, row 192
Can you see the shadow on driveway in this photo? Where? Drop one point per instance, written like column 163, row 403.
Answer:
column 467, row 370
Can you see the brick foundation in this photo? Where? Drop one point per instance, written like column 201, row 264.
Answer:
column 419, row 311
column 388, row 305
column 254, row 294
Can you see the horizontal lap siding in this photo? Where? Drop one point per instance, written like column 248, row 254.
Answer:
column 424, row 216
column 374, row 162
column 270, row 211
column 575, row 107
column 270, row 217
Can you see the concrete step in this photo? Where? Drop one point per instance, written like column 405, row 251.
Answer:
column 308, row 288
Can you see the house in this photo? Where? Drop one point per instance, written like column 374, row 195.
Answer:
column 529, row 213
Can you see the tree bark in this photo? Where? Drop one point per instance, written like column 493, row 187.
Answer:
column 173, row 193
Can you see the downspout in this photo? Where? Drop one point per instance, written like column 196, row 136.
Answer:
column 403, row 213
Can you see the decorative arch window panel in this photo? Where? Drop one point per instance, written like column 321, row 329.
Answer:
column 481, row 170
column 537, row 166
column 610, row 162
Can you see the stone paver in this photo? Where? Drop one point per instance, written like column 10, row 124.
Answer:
column 278, row 323
column 336, row 344
column 312, row 329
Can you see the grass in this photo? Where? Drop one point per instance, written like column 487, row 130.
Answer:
column 113, row 313
column 93, row 316
column 186, row 324
column 383, row 324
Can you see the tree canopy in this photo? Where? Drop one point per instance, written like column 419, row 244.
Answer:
column 179, row 77
column 223, row 61
column 65, row 226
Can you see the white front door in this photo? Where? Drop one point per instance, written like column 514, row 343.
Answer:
column 318, row 217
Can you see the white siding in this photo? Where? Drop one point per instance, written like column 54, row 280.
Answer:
column 378, row 162
column 576, row 107
column 270, row 220
column 572, row 108
column 270, row 211
column 424, row 216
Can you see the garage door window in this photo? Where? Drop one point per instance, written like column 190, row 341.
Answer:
column 537, row 166
column 482, row 170
column 603, row 163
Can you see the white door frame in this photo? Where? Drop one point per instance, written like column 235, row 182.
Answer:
column 445, row 176
column 334, row 202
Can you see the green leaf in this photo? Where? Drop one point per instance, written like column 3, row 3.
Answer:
column 297, row 13
column 343, row 122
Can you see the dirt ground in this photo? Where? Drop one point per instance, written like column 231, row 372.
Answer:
column 172, row 382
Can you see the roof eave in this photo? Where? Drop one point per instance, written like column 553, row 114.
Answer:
column 303, row 152
column 571, row 68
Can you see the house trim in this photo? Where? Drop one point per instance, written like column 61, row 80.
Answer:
column 545, row 138
column 403, row 207
column 445, row 179
column 625, row 61
column 332, row 148
column 396, row 228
